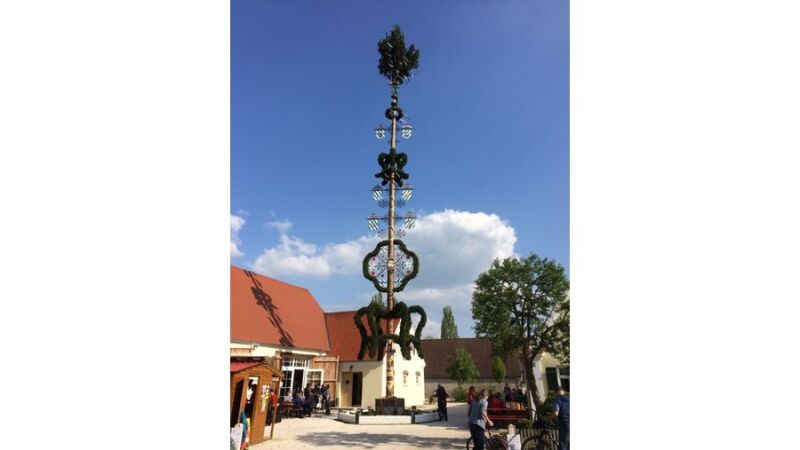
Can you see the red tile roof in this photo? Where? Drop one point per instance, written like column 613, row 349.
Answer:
column 438, row 354
column 239, row 366
column 345, row 338
column 267, row 311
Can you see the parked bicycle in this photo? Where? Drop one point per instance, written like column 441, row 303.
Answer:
column 493, row 442
column 543, row 435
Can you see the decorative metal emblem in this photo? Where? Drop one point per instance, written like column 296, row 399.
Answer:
column 406, row 131
column 398, row 203
column 384, row 234
column 376, row 266
column 410, row 220
column 372, row 222
column 380, row 132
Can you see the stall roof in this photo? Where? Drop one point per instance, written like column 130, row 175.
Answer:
column 239, row 366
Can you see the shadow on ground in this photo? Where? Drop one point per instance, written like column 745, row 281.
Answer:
column 330, row 439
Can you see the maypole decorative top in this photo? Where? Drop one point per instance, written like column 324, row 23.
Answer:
column 391, row 265
column 397, row 63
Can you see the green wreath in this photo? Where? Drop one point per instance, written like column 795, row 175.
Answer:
column 374, row 343
column 373, row 253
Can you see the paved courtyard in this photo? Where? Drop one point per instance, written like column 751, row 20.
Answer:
column 326, row 432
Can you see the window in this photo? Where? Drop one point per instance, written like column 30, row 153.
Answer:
column 552, row 378
column 557, row 376
column 314, row 376
column 563, row 377
column 418, row 374
column 295, row 362
column 293, row 374
column 405, row 378
column 286, row 385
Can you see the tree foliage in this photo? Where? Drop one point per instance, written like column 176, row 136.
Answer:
column 397, row 62
column 498, row 369
column 522, row 305
column 449, row 328
column 462, row 367
column 377, row 300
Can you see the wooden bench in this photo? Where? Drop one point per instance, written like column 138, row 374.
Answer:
column 503, row 416
column 289, row 408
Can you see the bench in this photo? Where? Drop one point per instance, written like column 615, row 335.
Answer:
column 503, row 416
column 289, row 408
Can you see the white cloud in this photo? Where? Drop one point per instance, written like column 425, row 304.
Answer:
column 433, row 329
column 282, row 225
column 454, row 247
column 237, row 222
column 294, row 256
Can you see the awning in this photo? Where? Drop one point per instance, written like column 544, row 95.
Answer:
column 239, row 366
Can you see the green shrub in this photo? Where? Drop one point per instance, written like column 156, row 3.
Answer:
column 498, row 369
column 547, row 406
column 490, row 389
column 523, row 424
column 460, row 394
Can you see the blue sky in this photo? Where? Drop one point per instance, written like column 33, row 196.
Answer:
column 489, row 158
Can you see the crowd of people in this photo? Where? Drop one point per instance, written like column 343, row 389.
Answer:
column 480, row 401
column 510, row 398
column 311, row 398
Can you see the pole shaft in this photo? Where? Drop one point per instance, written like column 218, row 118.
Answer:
column 390, row 271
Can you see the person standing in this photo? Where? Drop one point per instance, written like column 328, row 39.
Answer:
column 478, row 420
column 326, row 398
column 270, row 407
column 470, row 397
column 562, row 414
column 441, row 397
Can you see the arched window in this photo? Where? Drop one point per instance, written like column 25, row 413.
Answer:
column 405, row 377
column 418, row 374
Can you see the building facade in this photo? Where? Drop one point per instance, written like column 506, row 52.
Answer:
column 271, row 318
column 361, row 382
column 548, row 371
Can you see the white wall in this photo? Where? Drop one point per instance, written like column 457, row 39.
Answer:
column 373, row 381
column 254, row 349
column 540, row 366
column 412, row 391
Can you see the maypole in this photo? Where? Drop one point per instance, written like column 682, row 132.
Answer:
column 391, row 265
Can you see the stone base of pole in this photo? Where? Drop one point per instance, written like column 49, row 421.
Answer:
column 390, row 406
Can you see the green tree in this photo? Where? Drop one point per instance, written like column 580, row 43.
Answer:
column 522, row 305
column 498, row 369
column 449, row 328
column 462, row 367
column 397, row 62
column 378, row 299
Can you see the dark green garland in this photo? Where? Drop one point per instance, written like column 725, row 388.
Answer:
column 373, row 253
column 392, row 163
column 374, row 343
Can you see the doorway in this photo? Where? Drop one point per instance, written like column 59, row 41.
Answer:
column 356, row 395
column 237, row 402
column 297, row 379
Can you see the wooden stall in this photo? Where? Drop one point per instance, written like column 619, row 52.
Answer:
column 252, row 381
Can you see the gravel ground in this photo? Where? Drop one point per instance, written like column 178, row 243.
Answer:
column 326, row 432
